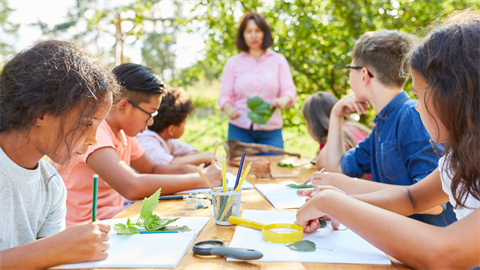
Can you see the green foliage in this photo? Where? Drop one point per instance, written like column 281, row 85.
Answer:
column 303, row 185
column 6, row 29
column 285, row 165
column 148, row 220
column 304, row 245
column 314, row 35
column 260, row 110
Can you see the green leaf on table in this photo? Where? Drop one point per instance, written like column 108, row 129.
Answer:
column 183, row 228
column 155, row 223
column 149, row 204
column 285, row 165
column 304, row 245
column 123, row 229
column 303, row 185
column 323, row 223
column 260, row 110
column 198, row 203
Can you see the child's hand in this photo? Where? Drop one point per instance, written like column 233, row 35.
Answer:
column 308, row 214
column 207, row 157
column 349, row 104
column 214, row 175
column 310, row 192
column 326, row 178
column 86, row 241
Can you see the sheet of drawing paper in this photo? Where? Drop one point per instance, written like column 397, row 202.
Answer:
column 231, row 178
column 147, row 250
column 332, row 246
column 281, row 196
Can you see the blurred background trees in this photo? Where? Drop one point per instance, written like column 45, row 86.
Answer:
column 314, row 35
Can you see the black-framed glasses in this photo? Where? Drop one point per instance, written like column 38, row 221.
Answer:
column 354, row 67
column 151, row 115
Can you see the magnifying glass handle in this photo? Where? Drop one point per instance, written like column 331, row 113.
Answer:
column 237, row 253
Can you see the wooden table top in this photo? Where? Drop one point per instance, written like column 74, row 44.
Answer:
column 253, row 200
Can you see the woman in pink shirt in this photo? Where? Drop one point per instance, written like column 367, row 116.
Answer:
column 256, row 71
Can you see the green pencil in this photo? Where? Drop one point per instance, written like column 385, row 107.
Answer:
column 94, row 204
column 148, row 232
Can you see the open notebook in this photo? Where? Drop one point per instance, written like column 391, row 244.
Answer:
column 231, row 178
column 146, row 250
column 332, row 246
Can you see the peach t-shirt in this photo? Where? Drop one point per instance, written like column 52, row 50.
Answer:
column 78, row 178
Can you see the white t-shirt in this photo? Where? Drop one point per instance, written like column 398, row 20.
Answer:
column 446, row 175
column 32, row 202
column 161, row 151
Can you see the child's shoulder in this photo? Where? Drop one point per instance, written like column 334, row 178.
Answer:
column 50, row 175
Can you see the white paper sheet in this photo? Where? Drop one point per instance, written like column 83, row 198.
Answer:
column 231, row 178
column 346, row 246
column 281, row 196
column 146, row 250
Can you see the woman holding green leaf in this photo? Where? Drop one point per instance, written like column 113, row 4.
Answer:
column 254, row 84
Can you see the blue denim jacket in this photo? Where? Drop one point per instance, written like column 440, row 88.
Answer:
column 398, row 151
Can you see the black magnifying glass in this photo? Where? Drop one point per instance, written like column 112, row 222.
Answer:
column 213, row 247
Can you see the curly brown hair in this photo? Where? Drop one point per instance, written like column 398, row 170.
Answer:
column 175, row 107
column 53, row 77
column 449, row 60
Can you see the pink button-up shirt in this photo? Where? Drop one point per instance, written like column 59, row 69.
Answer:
column 244, row 77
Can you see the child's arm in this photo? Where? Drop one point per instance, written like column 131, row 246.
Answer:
column 336, row 149
column 131, row 185
column 195, row 159
column 415, row 243
column 79, row 243
column 354, row 186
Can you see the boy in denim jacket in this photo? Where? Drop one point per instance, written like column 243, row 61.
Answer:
column 398, row 151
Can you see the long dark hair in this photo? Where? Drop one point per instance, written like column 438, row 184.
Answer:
column 53, row 77
column 449, row 60
column 316, row 111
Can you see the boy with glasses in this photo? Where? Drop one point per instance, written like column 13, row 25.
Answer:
column 398, row 151
column 117, row 152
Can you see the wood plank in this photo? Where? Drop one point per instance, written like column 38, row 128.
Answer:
column 253, row 200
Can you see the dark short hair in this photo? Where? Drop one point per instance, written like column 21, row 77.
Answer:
column 261, row 23
column 384, row 51
column 175, row 107
column 53, row 77
column 139, row 82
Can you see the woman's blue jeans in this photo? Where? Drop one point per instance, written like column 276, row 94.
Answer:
column 273, row 137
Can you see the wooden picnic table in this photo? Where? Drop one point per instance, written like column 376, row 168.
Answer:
column 253, row 200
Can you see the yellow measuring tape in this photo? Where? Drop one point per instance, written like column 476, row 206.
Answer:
column 276, row 233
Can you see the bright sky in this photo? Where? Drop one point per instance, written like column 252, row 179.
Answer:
column 54, row 12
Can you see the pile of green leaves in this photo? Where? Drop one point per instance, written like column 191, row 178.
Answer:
column 286, row 165
column 303, row 185
column 148, row 220
column 261, row 111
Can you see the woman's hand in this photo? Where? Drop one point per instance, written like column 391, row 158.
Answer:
column 231, row 112
column 349, row 104
column 281, row 102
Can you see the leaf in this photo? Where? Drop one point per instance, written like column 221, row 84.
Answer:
column 323, row 223
column 286, row 165
column 303, row 185
column 260, row 110
column 304, row 245
column 155, row 223
column 198, row 203
column 149, row 204
column 183, row 228
column 121, row 228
